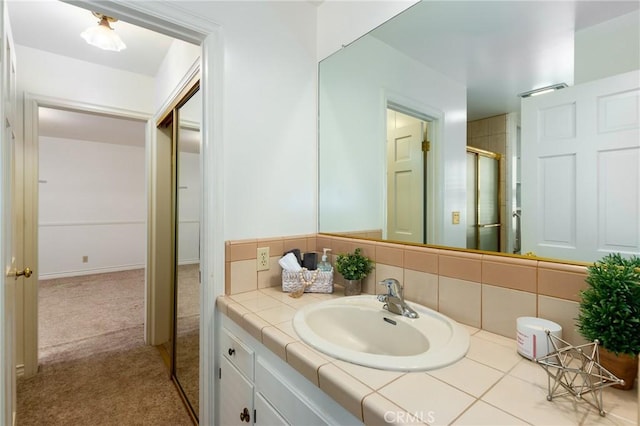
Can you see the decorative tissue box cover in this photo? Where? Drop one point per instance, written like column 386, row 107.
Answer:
column 323, row 282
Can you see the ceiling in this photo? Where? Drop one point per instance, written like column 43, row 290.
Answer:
column 84, row 126
column 54, row 26
column 497, row 49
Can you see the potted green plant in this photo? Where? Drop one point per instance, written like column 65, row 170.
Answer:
column 354, row 267
column 610, row 312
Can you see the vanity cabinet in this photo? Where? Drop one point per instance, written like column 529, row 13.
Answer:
column 236, row 381
column 236, row 396
column 268, row 415
column 239, row 404
column 257, row 387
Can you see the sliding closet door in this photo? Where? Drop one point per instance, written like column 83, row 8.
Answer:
column 186, row 358
column 179, row 128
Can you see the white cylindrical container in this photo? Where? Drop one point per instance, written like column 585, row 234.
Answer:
column 532, row 340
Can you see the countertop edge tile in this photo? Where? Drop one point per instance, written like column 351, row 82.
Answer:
column 345, row 389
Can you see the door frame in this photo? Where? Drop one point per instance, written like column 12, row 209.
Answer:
column 170, row 19
column 32, row 103
column 434, row 176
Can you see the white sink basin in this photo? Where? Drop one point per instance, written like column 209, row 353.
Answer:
column 357, row 329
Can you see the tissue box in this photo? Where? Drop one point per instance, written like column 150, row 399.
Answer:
column 323, row 282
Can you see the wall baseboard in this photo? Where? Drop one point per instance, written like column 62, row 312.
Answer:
column 66, row 274
column 19, row 370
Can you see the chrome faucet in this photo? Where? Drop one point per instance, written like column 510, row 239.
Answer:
column 394, row 299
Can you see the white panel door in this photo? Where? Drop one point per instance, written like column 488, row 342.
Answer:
column 7, row 281
column 405, row 184
column 11, row 222
column 580, row 170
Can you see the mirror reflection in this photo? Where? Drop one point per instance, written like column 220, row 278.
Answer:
column 420, row 122
column 187, row 283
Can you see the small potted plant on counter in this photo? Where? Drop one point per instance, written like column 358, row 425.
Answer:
column 610, row 313
column 354, row 267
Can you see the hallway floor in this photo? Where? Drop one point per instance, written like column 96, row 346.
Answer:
column 94, row 366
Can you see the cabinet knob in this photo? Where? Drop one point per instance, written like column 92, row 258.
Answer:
column 245, row 416
column 231, row 351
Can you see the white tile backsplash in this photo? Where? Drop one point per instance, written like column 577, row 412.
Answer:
column 460, row 300
column 501, row 307
column 563, row 312
column 421, row 287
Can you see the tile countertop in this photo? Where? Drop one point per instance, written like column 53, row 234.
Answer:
column 491, row 385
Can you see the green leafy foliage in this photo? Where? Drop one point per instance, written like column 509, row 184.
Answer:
column 354, row 266
column 610, row 306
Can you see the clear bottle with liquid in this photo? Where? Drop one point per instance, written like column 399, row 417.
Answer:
column 324, row 264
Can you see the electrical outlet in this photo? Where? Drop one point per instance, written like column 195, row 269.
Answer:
column 263, row 259
column 85, row 259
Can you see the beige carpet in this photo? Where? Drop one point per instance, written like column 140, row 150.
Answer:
column 72, row 310
column 95, row 368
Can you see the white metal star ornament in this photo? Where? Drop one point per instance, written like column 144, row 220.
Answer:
column 576, row 371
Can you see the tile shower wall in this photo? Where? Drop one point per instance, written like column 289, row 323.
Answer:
column 480, row 290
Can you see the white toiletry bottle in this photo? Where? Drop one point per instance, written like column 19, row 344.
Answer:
column 324, row 265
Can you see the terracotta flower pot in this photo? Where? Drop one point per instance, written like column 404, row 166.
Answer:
column 623, row 366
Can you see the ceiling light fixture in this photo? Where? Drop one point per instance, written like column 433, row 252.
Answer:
column 542, row 90
column 103, row 36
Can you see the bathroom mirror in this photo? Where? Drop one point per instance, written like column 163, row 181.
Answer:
column 186, row 358
column 444, row 64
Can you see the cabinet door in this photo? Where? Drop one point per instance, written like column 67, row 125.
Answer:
column 266, row 415
column 282, row 394
column 236, row 396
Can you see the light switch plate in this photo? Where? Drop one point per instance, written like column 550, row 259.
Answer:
column 455, row 218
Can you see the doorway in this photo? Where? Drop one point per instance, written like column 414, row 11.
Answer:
column 66, row 216
column 408, row 145
column 204, row 33
column 91, row 230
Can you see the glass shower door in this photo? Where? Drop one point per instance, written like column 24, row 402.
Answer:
column 483, row 200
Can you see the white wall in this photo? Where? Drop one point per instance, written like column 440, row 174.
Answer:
column 341, row 22
column 354, row 86
column 269, row 116
column 44, row 73
column 47, row 75
column 607, row 49
column 178, row 60
column 92, row 203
